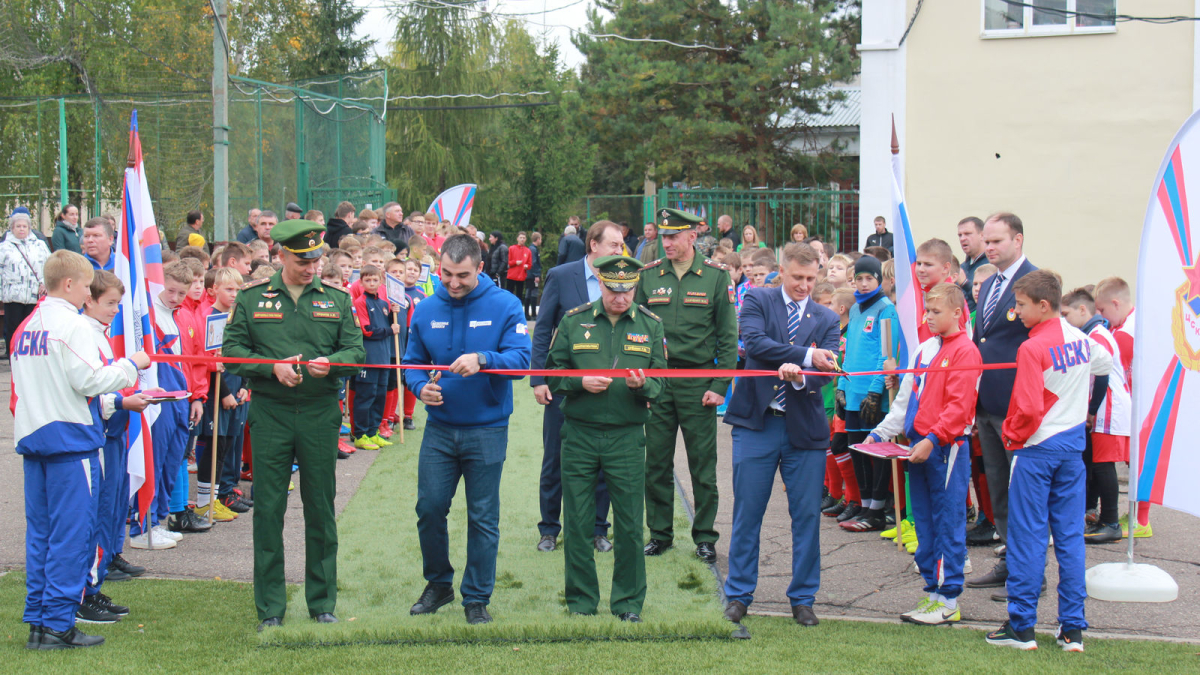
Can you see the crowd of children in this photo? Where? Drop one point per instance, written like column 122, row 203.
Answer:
column 1067, row 482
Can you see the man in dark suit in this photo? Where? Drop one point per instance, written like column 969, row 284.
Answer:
column 567, row 287
column 570, row 246
column 781, row 426
column 998, row 334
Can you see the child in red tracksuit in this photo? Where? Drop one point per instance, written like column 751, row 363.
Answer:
column 935, row 410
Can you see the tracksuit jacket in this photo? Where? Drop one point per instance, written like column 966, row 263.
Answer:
column 864, row 348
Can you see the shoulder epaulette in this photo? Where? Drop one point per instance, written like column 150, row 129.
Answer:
column 258, row 282
column 653, row 263
column 577, row 309
column 713, row 263
column 335, row 288
column 650, row 314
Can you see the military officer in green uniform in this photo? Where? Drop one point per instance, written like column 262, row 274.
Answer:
column 695, row 299
column 295, row 415
column 603, row 431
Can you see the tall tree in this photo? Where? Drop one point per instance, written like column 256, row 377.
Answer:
column 732, row 112
column 335, row 50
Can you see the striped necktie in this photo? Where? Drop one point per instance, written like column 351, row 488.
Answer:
column 993, row 300
column 793, row 309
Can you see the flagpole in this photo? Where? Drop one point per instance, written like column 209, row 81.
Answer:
column 215, row 395
column 399, row 385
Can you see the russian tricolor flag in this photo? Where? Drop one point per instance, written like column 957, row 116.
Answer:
column 139, row 266
column 910, row 301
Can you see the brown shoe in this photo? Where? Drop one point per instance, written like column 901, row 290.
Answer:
column 803, row 614
column 735, row 611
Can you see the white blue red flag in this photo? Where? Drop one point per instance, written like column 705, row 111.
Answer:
column 910, row 301
column 1167, row 330
column 455, row 205
column 139, row 266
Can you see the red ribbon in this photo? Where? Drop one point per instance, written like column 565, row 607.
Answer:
column 600, row 372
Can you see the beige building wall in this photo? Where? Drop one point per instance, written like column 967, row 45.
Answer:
column 1067, row 132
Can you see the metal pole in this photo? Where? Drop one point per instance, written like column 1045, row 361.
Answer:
column 62, row 153
column 215, row 397
column 96, row 157
column 258, row 143
column 220, row 84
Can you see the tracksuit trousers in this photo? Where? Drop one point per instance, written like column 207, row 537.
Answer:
column 938, row 491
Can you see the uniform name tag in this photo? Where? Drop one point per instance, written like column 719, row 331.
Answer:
column 697, row 294
column 326, row 315
column 657, row 300
column 695, row 301
column 585, row 347
column 638, row 349
column 268, row 315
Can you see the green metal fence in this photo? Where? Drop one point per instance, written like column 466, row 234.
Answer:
column 831, row 215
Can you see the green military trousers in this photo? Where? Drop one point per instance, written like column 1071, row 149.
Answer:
column 306, row 431
column 620, row 452
column 679, row 407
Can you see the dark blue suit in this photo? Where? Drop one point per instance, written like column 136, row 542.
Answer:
column 565, row 289
column 998, row 339
column 792, row 443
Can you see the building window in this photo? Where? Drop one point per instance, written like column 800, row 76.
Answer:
column 1013, row 18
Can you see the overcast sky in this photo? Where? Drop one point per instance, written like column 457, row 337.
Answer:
column 379, row 25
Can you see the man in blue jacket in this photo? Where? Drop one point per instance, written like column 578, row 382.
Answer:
column 470, row 324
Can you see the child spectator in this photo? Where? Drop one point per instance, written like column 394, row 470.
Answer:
column 982, row 274
column 258, row 250
column 838, row 271
column 1115, row 303
column 56, row 367
column 356, row 255
column 262, row 272
column 237, row 256
column 1044, row 429
column 348, row 241
column 194, row 252
column 1109, row 417
column 878, row 252
column 888, row 269
column 984, row 532
column 935, row 265
column 863, row 398
column 331, row 275
column 189, row 318
column 935, row 410
column 378, row 328
column 341, row 260
column 841, row 302
column 388, row 247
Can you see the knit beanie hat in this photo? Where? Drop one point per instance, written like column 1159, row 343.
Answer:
column 869, row 264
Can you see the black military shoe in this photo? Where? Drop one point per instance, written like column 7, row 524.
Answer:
column 631, row 617
column 104, row 602
column 90, row 611
column 342, row 454
column 270, row 622
column 35, row 637
column 706, row 552
column 325, row 617
column 68, row 639
column 602, row 544
column 656, row 547
column 127, row 567
column 477, row 613
column 432, row 598
column 735, row 611
column 547, row 543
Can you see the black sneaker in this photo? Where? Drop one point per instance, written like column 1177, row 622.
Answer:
column 68, row 639
column 115, row 574
column 342, row 454
column 434, row 597
column 1071, row 640
column 1103, row 534
column 851, row 511
column 90, row 611
column 835, row 510
column 104, row 602
column 983, row 534
column 234, row 503
column 244, row 497
column 35, row 637
column 827, row 500
column 477, row 613
column 409, row 425
column 127, row 567
column 1005, row 636
column 187, row 521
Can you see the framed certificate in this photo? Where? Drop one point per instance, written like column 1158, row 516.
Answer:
column 214, row 331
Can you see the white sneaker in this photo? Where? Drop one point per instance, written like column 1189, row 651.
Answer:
column 921, row 608
column 1000, row 550
column 160, row 531
column 160, row 543
column 967, row 569
column 935, row 614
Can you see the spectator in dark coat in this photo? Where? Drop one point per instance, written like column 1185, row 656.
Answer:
column 570, row 247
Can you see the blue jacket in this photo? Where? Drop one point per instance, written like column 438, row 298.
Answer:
column 565, row 288
column 764, row 331
column 998, row 341
column 488, row 320
column 376, row 319
column 864, row 348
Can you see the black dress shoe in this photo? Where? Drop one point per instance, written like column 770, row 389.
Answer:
column 656, row 547
column 706, row 552
column 127, row 567
column 735, row 611
column 983, row 534
column 115, row 574
column 631, row 617
column 852, row 510
column 432, row 598
column 104, row 602
column 1002, row 594
column 270, row 623
column 68, row 639
column 35, row 637
column 547, row 543
column 993, row 579
column 803, row 614
column 477, row 613
column 342, row 454
column 90, row 611
column 602, row 544
column 325, row 617
column 835, row 510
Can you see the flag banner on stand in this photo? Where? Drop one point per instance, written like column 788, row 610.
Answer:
column 139, row 267
column 1167, row 329
column 910, row 302
column 455, row 205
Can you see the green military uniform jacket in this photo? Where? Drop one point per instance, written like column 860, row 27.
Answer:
column 266, row 324
column 587, row 339
column 698, row 314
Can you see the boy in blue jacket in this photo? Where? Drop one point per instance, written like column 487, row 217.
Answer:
column 370, row 385
column 863, row 398
column 469, row 324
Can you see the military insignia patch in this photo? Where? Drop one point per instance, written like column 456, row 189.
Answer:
column 1012, row 314
column 695, row 301
column 638, row 338
column 323, row 304
column 268, row 315
column 587, row 334
column 270, row 294
column 278, row 305
column 732, row 295
column 665, row 349
column 587, row 325
column 945, row 362
column 585, row 347
column 326, row 315
column 868, row 324
column 638, row 349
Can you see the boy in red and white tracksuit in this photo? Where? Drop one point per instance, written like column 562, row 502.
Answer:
column 935, row 410
column 1044, row 429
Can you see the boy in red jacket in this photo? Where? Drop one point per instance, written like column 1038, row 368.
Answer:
column 935, row 410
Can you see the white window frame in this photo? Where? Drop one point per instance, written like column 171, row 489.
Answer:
column 1030, row 30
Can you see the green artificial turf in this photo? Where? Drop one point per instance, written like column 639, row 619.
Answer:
column 379, row 565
